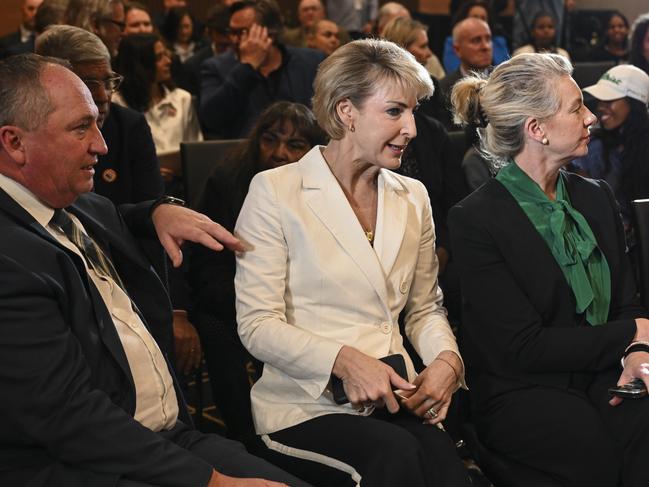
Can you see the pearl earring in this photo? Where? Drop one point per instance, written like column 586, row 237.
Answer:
column 545, row 141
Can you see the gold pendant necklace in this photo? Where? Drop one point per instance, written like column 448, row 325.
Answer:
column 370, row 236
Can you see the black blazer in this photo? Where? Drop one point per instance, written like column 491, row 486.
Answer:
column 519, row 325
column 130, row 171
column 68, row 393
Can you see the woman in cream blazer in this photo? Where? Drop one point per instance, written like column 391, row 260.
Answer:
column 338, row 246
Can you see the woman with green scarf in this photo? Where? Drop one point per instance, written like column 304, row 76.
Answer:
column 549, row 300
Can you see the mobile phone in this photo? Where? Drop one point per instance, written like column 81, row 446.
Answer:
column 633, row 390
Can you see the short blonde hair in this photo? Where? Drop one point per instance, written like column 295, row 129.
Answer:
column 355, row 71
column 499, row 105
column 403, row 31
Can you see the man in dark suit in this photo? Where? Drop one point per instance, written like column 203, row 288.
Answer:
column 23, row 39
column 237, row 86
column 84, row 321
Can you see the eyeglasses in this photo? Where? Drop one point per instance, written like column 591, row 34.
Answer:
column 111, row 85
column 120, row 25
column 237, row 32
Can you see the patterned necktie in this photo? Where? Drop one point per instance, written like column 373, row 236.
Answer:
column 90, row 250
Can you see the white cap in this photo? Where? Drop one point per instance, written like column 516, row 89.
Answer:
column 620, row 81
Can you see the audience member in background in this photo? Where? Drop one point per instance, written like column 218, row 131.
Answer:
column 639, row 51
column 388, row 12
column 478, row 9
column 218, row 20
column 308, row 13
column 167, row 5
column 618, row 151
column 356, row 17
column 180, row 33
column 129, row 172
column 527, row 10
column 549, row 300
column 473, row 46
column 102, row 17
column 138, row 19
column 615, row 43
column 284, row 132
column 237, row 86
column 323, row 36
column 413, row 36
column 393, row 10
column 23, row 39
column 337, row 247
column 543, row 37
column 145, row 62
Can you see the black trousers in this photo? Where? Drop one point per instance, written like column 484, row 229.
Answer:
column 382, row 450
column 573, row 435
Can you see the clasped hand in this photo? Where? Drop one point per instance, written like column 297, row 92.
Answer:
column 368, row 380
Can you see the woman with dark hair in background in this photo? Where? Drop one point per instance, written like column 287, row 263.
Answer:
column 479, row 9
column 615, row 45
column 283, row 133
column 639, row 50
column 145, row 62
column 180, row 31
column 543, row 36
column 618, row 151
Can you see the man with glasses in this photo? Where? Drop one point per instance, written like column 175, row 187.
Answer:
column 237, row 86
column 130, row 171
column 110, row 23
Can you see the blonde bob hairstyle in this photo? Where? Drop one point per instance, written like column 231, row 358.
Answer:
column 403, row 31
column 499, row 105
column 356, row 71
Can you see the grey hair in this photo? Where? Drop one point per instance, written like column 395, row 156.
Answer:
column 24, row 102
column 520, row 88
column 355, row 71
column 71, row 43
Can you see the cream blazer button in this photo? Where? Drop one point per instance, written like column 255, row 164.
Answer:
column 403, row 287
column 386, row 327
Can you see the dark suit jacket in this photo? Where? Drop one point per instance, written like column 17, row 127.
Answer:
column 10, row 39
column 130, row 171
column 519, row 325
column 192, row 70
column 234, row 94
column 439, row 170
column 68, row 393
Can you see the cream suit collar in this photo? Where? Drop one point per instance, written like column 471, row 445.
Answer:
column 326, row 199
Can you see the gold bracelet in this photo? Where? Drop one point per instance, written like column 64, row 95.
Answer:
column 457, row 376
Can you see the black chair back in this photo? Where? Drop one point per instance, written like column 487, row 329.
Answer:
column 642, row 231
column 587, row 73
column 198, row 160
